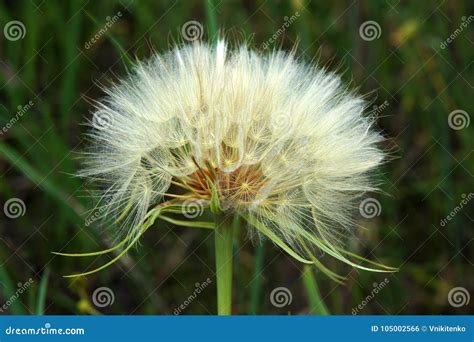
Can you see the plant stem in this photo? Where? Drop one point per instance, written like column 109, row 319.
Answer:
column 317, row 305
column 42, row 293
column 211, row 20
column 223, row 246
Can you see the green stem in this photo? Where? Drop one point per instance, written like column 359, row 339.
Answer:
column 42, row 293
column 223, row 246
column 211, row 20
column 316, row 302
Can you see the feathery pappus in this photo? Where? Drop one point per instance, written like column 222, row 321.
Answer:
column 267, row 137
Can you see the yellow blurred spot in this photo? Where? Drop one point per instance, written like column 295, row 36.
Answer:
column 405, row 32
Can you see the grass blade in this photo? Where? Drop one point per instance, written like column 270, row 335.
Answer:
column 211, row 20
column 9, row 291
column 42, row 293
column 18, row 162
column 317, row 306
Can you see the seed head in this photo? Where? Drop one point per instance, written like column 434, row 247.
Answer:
column 271, row 138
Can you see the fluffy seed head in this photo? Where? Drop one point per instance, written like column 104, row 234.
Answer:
column 278, row 141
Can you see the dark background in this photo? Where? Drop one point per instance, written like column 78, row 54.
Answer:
column 412, row 74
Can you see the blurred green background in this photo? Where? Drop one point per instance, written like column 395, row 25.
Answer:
column 412, row 59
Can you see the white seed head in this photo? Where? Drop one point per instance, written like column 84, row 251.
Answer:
column 280, row 141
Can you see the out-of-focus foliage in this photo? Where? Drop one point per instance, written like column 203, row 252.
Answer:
column 414, row 62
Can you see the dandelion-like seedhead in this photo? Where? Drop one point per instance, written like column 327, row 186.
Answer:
column 266, row 137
